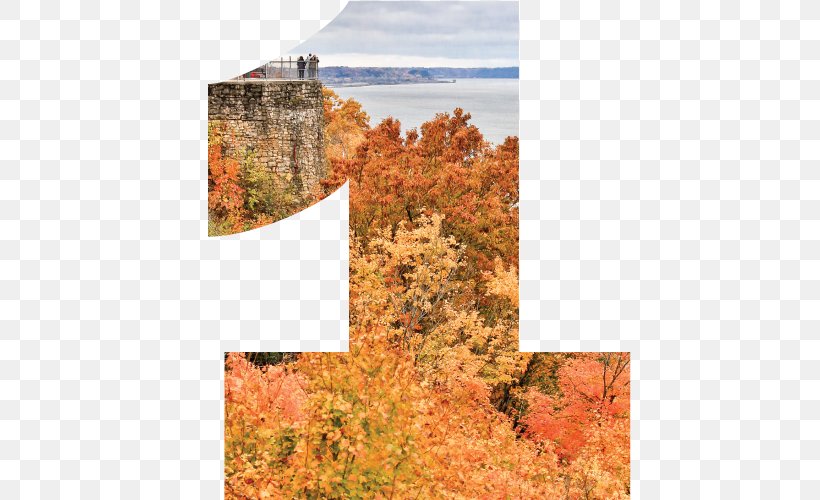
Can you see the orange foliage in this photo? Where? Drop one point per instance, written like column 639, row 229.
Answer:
column 345, row 124
column 408, row 411
column 434, row 400
column 225, row 195
column 588, row 422
column 449, row 169
column 261, row 407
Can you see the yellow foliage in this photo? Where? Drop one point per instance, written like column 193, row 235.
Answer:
column 433, row 400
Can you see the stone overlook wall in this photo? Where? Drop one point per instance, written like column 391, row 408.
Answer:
column 277, row 124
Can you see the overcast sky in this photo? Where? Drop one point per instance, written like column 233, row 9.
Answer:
column 456, row 34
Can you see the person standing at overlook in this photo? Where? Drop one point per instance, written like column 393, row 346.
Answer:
column 315, row 66
column 300, row 67
column 313, row 63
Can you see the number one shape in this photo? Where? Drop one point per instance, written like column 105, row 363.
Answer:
column 433, row 397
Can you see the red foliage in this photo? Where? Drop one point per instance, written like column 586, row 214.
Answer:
column 594, row 390
column 225, row 195
column 433, row 400
column 588, row 423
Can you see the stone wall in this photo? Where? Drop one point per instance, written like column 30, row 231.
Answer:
column 274, row 123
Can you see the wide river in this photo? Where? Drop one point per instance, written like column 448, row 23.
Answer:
column 492, row 103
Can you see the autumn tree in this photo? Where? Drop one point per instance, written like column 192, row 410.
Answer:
column 345, row 125
column 225, row 195
column 433, row 399
column 262, row 409
column 588, row 421
column 445, row 167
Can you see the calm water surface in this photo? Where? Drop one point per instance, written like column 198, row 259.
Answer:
column 493, row 103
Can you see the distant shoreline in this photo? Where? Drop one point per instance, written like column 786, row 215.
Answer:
column 336, row 85
column 347, row 76
column 373, row 84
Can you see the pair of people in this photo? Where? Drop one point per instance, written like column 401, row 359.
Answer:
column 312, row 63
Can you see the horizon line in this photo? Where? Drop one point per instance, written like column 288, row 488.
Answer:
column 427, row 67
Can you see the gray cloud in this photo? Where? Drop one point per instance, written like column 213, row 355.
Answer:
column 472, row 31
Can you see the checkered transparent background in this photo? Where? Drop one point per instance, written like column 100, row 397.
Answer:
column 670, row 185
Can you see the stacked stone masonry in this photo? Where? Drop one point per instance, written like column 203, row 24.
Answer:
column 275, row 123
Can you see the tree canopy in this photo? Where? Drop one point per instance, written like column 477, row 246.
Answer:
column 433, row 399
